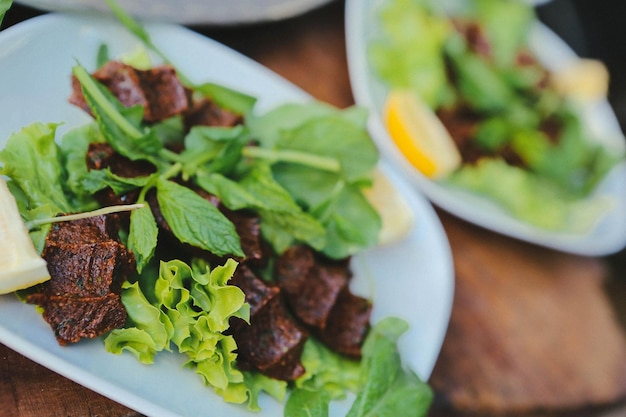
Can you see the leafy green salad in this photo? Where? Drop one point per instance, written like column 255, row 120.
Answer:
column 522, row 141
column 305, row 177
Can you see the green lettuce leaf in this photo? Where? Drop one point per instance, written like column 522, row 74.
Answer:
column 32, row 159
column 227, row 98
column 411, row 38
column 387, row 388
column 531, row 198
column 303, row 402
column 189, row 309
column 184, row 209
column 328, row 371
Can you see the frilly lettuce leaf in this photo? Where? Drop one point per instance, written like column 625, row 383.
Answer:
column 189, row 309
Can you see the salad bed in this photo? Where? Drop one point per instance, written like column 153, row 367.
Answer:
column 523, row 142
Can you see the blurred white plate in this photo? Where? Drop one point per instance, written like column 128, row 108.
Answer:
column 413, row 279
column 199, row 12
column 607, row 237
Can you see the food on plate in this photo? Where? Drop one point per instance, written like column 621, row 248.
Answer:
column 87, row 264
column 420, row 135
column 226, row 235
column 20, row 265
column 517, row 125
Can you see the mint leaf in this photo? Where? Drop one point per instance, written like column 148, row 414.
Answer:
column 184, row 210
column 142, row 237
column 98, row 179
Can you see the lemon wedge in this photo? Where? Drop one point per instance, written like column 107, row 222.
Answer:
column 396, row 214
column 20, row 264
column 419, row 134
column 583, row 79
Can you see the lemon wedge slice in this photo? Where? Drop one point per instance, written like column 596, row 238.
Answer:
column 583, row 79
column 419, row 134
column 396, row 214
column 20, row 264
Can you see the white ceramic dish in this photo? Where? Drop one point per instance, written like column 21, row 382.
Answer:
column 607, row 237
column 413, row 278
column 197, row 12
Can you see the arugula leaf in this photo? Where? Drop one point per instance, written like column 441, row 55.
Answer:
column 335, row 137
column 313, row 130
column 269, row 127
column 387, row 389
column 32, row 160
column 282, row 219
column 120, row 125
column 184, row 210
column 349, row 219
column 352, row 224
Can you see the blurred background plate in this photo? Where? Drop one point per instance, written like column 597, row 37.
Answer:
column 609, row 234
column 192, row 12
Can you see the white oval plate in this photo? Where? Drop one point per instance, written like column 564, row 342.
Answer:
column 196, row 12
column 607, row 237
column 413, row 279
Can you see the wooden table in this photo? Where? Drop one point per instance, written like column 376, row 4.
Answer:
column 525, row 319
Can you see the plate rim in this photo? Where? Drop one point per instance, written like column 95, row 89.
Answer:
column 275, row 12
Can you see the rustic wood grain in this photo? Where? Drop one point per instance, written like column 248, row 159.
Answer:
column 531, row 329
column 524, row 320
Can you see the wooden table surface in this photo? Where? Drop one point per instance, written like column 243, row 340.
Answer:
column 533, row 331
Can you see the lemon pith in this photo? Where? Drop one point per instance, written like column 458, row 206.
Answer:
column 20, row 264
column 419, row 135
